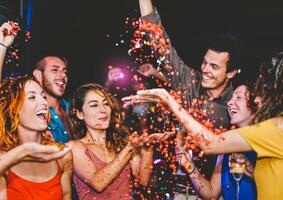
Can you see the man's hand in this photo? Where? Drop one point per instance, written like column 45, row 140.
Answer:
column 147, row 70
column 115, row 74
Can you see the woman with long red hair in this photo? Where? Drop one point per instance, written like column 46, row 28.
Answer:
column 24, row 120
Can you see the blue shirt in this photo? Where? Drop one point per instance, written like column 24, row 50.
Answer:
column 56, row 126
column 228, row 184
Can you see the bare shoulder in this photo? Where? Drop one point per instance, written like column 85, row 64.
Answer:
column 77, row 145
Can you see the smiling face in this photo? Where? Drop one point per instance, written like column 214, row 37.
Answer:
column 54, row 76
column 238, row 107
column 214, row 70
column 96, row 111
column 33, row 114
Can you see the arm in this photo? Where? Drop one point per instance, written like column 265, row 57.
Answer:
column 99, row 179
column 3, row 188
column 146, row 7
column 183, row 74
column 142, row 165
column 5, row 42
column 206, row 189
column 2, row 57
column 30, row 151
column 228, row 142
column 67, row 168
column 10, row 158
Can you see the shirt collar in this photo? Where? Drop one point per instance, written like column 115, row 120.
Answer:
column 224, row 97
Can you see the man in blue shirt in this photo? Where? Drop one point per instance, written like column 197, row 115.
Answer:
column 51, row 73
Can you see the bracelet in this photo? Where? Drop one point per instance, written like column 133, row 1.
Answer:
column 3, row 45
column 188, row 166
column 192, row 170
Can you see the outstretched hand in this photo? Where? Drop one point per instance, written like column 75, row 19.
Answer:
column 44, row 153
column 136, row 141
column 151, row 95
column 159, row 137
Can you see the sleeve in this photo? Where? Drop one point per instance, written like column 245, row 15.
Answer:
column 183, row 75
column 265, row 138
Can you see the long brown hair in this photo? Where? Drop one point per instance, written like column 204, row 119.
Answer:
column 269, row 87
column 12, row 96
column 116, row 134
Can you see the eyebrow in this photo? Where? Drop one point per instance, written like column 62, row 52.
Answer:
column 92, row 101
column 240, row 92
column 33, row 92
column 95, row 101
column 57, row 66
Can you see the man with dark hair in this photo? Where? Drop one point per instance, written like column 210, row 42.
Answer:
column 52, row 73
column 206, row 92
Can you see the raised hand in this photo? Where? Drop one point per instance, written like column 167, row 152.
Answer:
column 115, row 74
column 147, row 70
column 8, row 32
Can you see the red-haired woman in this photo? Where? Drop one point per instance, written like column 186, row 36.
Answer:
column 24, row 119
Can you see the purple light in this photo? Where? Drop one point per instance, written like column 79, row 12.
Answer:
column 157, row 161
column 121, row 75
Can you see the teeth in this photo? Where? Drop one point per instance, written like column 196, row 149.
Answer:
column 59, row 82
column 41, row 112
column 233, row 111
column 206, row 77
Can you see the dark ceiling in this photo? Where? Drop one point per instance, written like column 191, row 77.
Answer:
column 87, row 31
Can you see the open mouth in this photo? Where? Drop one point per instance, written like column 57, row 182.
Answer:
column 206, row 78
column 42, row 114
column 60, row 83
column 233, row 111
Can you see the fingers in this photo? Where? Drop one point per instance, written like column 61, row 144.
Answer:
column 46, row 153
column 6, row 26
column 34, row 148
column 153, row 92
column 135, row 99
column 159, row 137
column 10, row 28
column 146, row 69
column 138, row 141
column 60, row 154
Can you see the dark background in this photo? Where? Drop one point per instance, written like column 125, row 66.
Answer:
column 87, row 31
